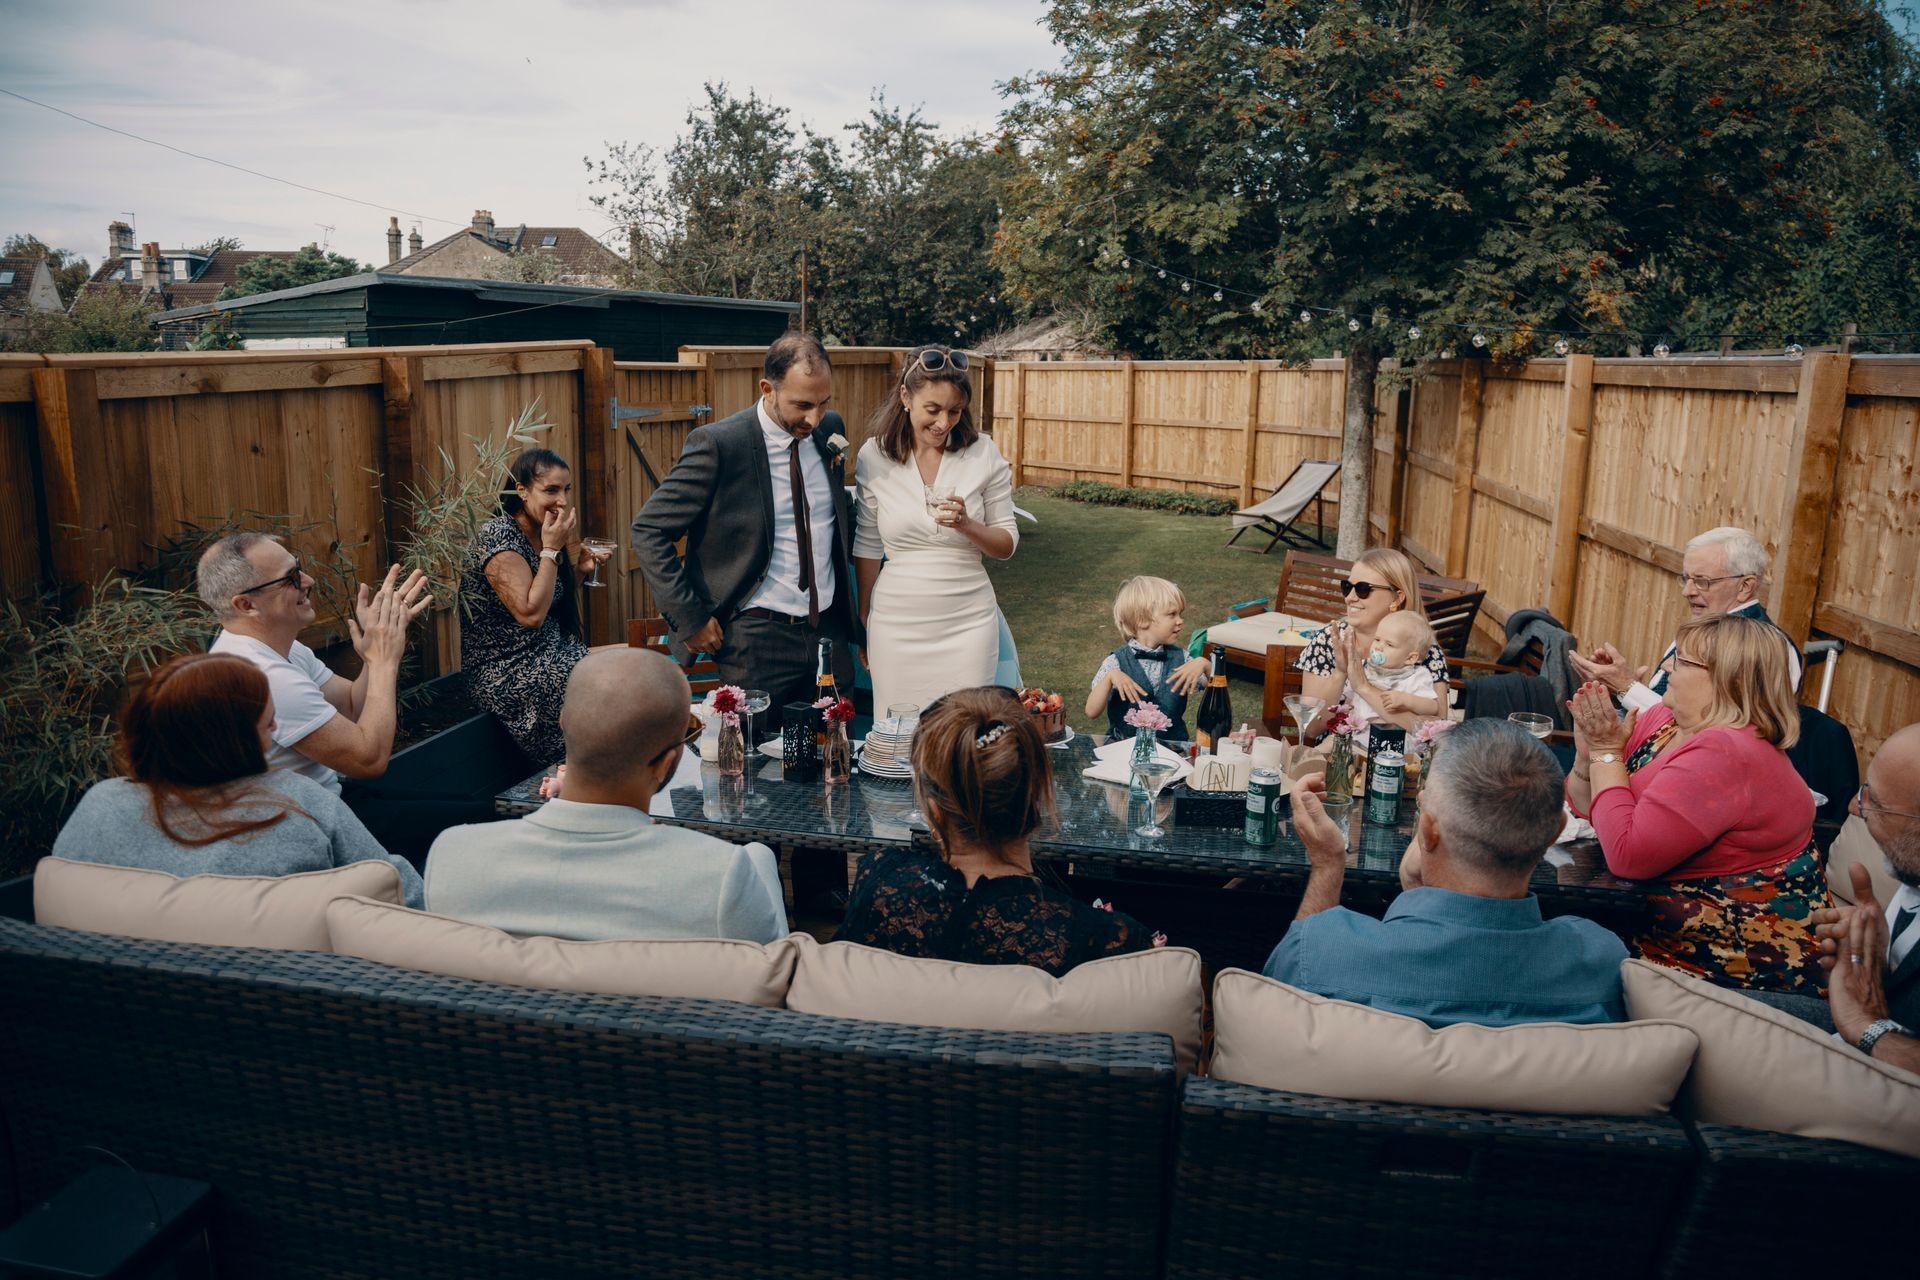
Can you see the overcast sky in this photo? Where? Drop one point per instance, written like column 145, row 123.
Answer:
column 433, row 108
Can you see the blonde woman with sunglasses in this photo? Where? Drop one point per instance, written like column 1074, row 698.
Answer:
column 934, row 497
column 1381, row 581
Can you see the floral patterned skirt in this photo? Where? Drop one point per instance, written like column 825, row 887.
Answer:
column 1753, row 930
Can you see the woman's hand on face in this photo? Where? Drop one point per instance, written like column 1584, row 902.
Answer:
column 1596, row 727
column 556, row 528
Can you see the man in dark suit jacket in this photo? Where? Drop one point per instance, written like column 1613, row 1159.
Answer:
column 761, row 499
column 1873, row 987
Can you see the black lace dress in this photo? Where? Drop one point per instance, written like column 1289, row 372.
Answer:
column 518, row 673
column 915, row 904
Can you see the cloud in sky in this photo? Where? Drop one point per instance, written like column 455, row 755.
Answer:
column 436, row 107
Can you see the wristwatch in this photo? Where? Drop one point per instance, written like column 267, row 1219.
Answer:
column 548, row 553
column 1607, row 757
column 1874, row 1031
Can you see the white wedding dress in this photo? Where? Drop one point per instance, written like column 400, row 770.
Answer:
column 934, row 625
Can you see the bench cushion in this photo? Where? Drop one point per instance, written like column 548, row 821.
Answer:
column 285, row 913
column 1257, row 631
column 1279, row 1037
column 1764, row 1069
column 696, row 968
column 1157, row 990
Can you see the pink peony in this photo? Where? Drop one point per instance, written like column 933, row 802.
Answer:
column 1147, row 716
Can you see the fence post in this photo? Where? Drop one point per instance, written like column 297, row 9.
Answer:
column 83, row 504
column 1019, row 421
column 1126, row 423
column 1397, row 462
column 403, row 471
column 1576, row 413
column 1817, row 415
column 1466, row 455
column 601, row 491
column 1250, row 460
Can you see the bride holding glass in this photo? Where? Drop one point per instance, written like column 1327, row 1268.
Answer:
column 934, row 496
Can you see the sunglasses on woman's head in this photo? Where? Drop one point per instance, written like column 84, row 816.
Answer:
column 933, row 360
column 1361, row 589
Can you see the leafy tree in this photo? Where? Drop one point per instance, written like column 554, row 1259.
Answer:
column 69, row 269
column 529, row 268
column 217, row 244
column 105, row 318
column 310, row 265
column 1425, row 174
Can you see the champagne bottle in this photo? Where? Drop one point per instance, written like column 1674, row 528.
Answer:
column 1214, row 722
column 824, row 687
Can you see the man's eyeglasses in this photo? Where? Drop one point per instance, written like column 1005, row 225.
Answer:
column 290, row 579
column 1700, row 581
column 933, row 360
column 1361, row 589
column 1864, row 798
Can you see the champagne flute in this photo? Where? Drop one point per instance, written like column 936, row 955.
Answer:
column 601, row 548
column 937, row 495
column 1303, row 708
column 1533, row 722
column 1153, row 774
column 753, row 702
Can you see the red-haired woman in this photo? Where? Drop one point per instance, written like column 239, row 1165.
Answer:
column 196, row 796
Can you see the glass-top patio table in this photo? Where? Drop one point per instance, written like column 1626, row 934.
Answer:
column 1093, row 829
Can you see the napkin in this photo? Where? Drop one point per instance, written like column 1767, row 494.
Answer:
column 1111, row 762
column 1576, row 828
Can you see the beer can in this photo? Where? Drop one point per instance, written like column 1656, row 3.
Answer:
column 1384, row 778
column 1263, row 807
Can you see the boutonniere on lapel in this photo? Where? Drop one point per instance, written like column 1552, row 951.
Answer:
column 837, row 447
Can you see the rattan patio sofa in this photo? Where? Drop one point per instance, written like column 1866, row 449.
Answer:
column 358, row 1120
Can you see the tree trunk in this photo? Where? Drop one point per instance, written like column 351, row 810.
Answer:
column 1356, row 453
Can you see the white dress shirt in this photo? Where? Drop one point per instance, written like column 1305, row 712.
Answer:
column 780, row 590
column 1641, row 697
column 1898, row 948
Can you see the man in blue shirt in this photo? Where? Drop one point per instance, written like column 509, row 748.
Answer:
column 1465, row 942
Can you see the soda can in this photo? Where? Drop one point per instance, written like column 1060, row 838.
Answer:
column 1263, row 807
column 1384, row 778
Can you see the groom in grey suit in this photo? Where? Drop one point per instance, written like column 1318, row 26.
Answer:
column 761, row 499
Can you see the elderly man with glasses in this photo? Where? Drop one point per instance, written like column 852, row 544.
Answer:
column 324, row 724
column 1873, row 953
column 591, row 863
column 1721, row 571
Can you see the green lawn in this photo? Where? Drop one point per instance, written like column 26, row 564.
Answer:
column 1057, row 591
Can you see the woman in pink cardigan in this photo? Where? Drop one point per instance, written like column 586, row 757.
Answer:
column 1698, row 799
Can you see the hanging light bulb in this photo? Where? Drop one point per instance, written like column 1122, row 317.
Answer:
column 956, row 333
column 1218, row 296
column 993, row 298
column 1413, row 333
column 1479, row 339
column 1561, row 346
column 1256, row 304
column 1126, row 264
column 1795, row 351
column 1662, row 351
column 1162, row 273
column 1083, row 242
column 1353, row 325
column 1306, row 316
column 1446, row 353
column 972, row 318
column 1186, row 286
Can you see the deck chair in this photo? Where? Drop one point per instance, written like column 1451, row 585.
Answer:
column 703, row 676
column 1276, row 515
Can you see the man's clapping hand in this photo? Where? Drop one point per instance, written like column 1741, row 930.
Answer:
column 378, row 627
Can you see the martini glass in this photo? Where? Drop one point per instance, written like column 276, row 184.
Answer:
column 754, row 701
column 1303, row 708
column 1153, row 775
column 601, row 548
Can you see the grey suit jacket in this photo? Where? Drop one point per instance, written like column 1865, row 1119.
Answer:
column 719, row 496
column 1903, row 991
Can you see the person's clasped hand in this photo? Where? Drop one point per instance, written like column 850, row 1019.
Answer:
column 1608, row 667
column 1596, row 726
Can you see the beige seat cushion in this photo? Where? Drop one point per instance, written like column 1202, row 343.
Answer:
column 1256, row 632
column 1853, row 845
column 1157, row 990
column 1279, row 1037
column 286, row 913
column 698, row 968
column 1764, row 1069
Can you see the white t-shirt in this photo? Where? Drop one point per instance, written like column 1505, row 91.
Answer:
column 1416, row 680
column 299, row 706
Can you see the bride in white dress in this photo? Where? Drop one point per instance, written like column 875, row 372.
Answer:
column 934, row 495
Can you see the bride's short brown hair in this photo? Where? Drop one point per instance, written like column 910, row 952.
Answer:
column 981, row 767
column 892, row 423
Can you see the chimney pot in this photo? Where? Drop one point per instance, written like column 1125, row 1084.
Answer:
column 413, row 240
column 150, row 267
column 393, row 241
column 483, row 223
column 119, row 240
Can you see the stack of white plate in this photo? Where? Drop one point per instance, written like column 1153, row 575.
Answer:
column 888, row 749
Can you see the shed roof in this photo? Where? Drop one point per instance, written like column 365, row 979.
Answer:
column 485, row 290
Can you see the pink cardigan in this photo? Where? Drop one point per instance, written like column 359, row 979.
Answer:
column 1723, row 802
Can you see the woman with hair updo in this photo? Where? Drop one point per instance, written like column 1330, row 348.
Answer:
column 196, row 797
column 935, row 495
column 520, row 629
column 982, row 777
column 1697, row 799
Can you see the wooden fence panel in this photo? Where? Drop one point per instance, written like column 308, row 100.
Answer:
column 1189, row 428
column 1070, row 422
column 24, row 568
column 673, row 389
column 1516, row 477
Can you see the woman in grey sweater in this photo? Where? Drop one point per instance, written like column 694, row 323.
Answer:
column 196, row 797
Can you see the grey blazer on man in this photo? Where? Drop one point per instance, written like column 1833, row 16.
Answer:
column 719, row 495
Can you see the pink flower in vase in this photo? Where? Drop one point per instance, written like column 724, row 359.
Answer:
column 1431, row 731
column 1341, row 721
column 729, row 700
column 1145, row 715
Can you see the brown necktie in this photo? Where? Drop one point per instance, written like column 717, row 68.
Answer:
column 803, row 528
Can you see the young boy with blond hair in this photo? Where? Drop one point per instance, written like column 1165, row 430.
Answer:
column 1148, row 666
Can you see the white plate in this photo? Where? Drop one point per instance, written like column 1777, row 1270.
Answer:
column 1055, row 746
column 774, row 749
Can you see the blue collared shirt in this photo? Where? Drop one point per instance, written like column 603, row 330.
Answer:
column 1447, row 957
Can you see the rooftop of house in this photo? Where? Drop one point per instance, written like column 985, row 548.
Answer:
column 16, row 278
column 218, row 271
column 574, row 249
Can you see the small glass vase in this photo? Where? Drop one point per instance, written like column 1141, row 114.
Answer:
column 1145, row 742
column 836, row 757
column 1340, row 766
column 731, row 757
